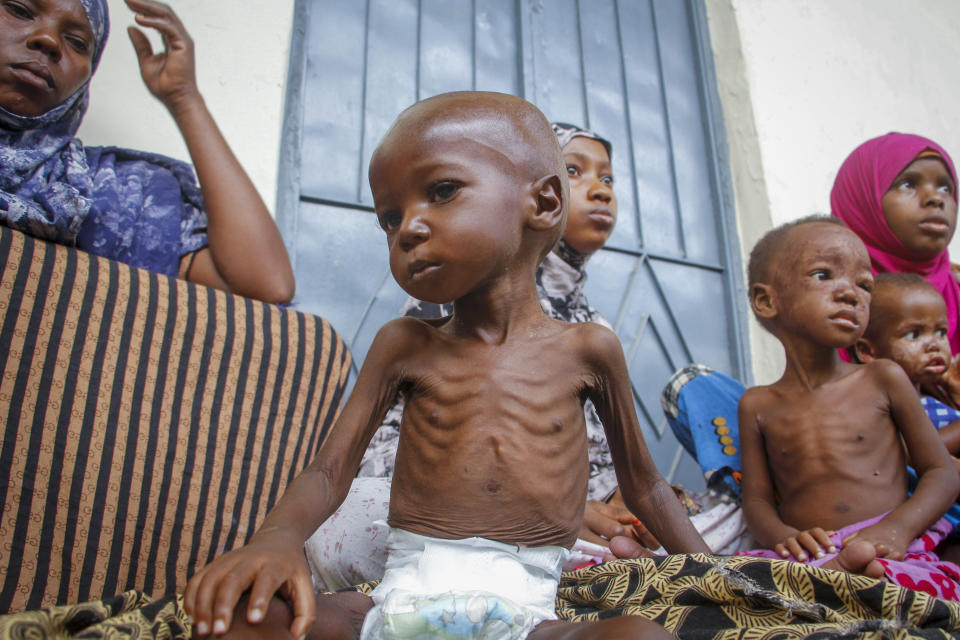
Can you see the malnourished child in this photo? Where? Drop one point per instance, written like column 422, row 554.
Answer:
column 824, row 470
column 491, row 472
column 909, row 325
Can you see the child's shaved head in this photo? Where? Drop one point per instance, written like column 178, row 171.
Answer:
column 772, row 246
column 509, row 124
column 509, row 133
column 888, row 290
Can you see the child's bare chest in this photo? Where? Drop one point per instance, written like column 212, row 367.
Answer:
column 832, row 426
column 528, row 388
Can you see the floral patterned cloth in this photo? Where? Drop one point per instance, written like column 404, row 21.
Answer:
column 140, row 208
column 921, row 569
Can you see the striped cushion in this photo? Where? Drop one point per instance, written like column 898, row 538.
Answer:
column 149, row 423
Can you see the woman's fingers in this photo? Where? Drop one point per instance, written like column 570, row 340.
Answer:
column 174, row 36
column 141, row 44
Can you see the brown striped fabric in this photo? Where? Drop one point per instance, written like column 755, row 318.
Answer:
column 149, row 423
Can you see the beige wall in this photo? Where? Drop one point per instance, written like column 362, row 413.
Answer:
column 242, row 50
column 803, row 82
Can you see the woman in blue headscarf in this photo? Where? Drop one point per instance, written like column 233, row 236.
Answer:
column 140, row 208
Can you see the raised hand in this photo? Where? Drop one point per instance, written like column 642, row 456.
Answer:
column 170, row 75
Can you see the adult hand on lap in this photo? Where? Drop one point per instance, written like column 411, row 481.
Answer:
column 169, row 74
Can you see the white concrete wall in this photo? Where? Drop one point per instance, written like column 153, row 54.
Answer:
column 242, row 51
column 803, row 82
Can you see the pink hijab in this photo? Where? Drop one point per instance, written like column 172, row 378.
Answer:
column 863, row 179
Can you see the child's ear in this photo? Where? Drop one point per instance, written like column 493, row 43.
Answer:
column 548, row 192
column 864, row 351
column 763, row 300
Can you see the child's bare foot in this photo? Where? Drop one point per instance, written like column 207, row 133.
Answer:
column 858, row 556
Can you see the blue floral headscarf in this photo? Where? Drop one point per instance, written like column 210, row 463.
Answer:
column 140, row 208
column 45, row 186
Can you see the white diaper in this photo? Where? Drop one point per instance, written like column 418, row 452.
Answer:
column 469, row 588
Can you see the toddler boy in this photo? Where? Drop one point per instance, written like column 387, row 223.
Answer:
column 491, row 471
column 824, row 470
column 909, row 325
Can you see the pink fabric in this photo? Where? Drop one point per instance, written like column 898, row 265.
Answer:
column 921, row 569
column 863, row 179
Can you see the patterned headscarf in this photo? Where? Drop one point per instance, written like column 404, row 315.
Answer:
column 567, row 132
column 45, row 185
column 856, row 198
column 136, row 207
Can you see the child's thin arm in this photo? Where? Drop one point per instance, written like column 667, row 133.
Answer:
column 273, row 560
column 246, row 254
column 643, row 488
column 938, row 480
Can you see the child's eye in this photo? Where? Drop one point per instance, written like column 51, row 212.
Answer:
column 573, row 170
column 941, row 332
column 17, row 10
column 946, row 187
column 866, row 285
column 820, row 274
column 913, row 334
column 390, row 221
column 443, row 190
column 905, row 185
column 607, row 179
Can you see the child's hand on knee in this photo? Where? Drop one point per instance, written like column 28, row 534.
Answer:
column 272, row 563
column 813, row 543
column 169, row 74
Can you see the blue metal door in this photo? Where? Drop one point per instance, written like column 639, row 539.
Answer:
column 637, row 71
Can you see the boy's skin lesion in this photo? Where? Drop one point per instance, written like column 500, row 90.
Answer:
column 822, row 446
column 469, row 188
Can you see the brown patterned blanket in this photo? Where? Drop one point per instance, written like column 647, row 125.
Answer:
column 693, row 596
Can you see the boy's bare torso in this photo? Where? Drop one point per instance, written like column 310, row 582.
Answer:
column 493, row 442
column 834, row 453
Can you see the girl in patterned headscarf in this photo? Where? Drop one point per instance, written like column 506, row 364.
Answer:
column 140, row 208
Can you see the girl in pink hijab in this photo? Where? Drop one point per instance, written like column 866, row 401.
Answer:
column 898, row 193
